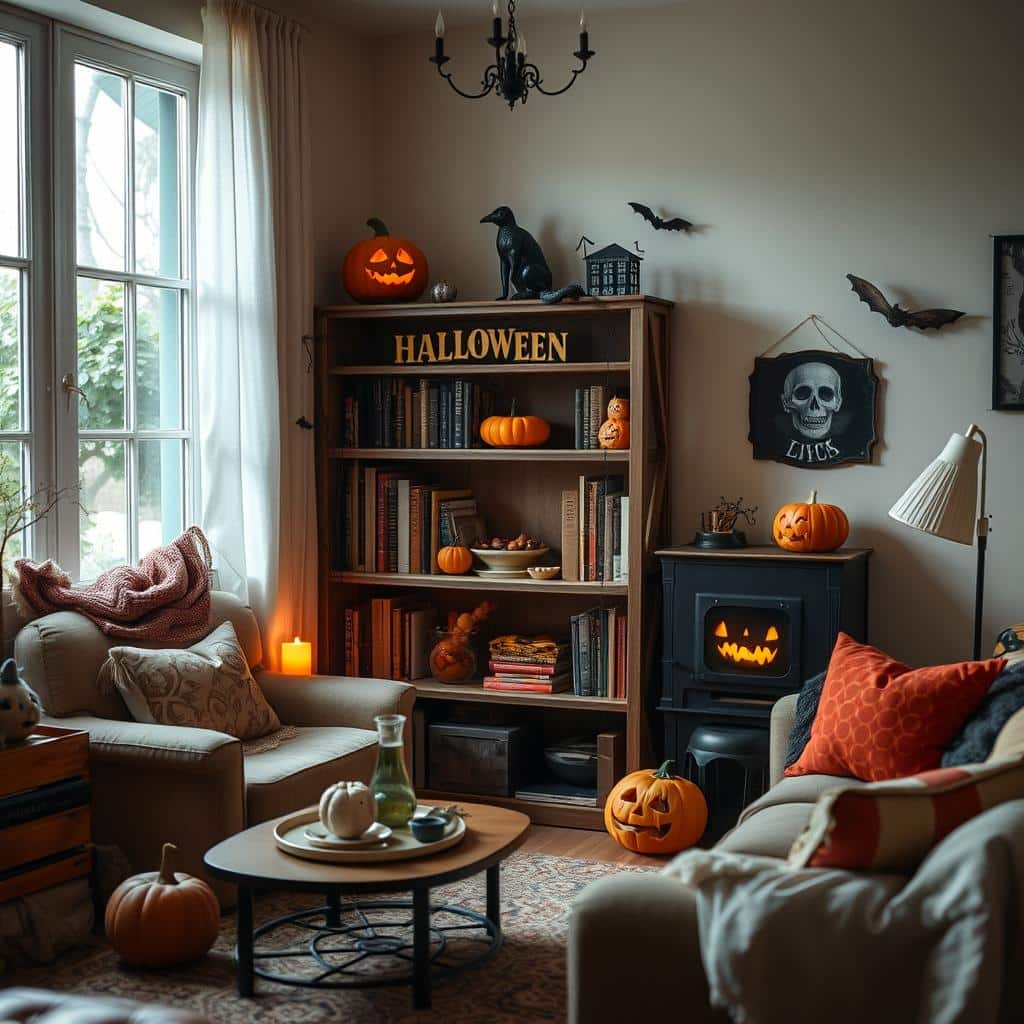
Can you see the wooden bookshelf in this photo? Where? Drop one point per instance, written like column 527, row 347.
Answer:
column 620, row 342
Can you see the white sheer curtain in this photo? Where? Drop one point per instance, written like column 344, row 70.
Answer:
column 254, row 306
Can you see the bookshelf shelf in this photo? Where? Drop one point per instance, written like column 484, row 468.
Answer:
column 405, row 579
column 430, row 689
column 461, row 369
column 479, row 454
column 619, row 345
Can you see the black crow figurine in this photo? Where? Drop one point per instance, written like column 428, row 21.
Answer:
column 523, row 267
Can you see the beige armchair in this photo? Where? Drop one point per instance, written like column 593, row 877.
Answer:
column 155, row 783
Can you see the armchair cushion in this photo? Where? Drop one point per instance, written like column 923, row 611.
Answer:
column 293, row 775
column 338, row 700
column 208, row 686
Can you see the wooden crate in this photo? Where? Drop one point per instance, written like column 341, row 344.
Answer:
column 50, row 754
column 76, row 865
column 41, row 837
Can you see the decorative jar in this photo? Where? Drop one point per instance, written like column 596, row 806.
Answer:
column 452, row 658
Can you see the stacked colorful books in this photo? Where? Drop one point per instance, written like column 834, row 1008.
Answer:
column 531, row 664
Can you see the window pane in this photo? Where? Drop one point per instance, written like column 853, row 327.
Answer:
column 161, row 475
column 157, row 215
column 11, row 476
column 100, row 167
column 10, row 349
column 103, row 521
column 10, row 149
column 158, row 358
column 101, row 354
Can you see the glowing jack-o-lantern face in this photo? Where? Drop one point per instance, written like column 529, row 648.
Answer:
column 384, row 268
column 746, row 649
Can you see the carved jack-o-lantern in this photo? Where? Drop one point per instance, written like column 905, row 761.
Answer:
column 741, row 647
column 384, row 268
column 614, row 432
column 656, row 811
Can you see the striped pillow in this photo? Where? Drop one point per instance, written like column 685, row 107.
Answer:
column 892, row 825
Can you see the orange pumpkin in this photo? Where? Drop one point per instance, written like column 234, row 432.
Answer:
column 514, row 431
column 614, row 432
column 655, row 811
column 162, row 918
column 810, row 526
column 384, row 268
column 455, row 560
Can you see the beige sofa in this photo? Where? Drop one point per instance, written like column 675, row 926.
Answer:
column 154, row 783
column 662, row 966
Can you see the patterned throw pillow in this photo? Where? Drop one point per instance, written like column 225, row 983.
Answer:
column 880, row 719
column 208, row 686
column 891, row 826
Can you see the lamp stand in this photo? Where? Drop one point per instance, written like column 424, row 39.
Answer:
column 983, row 528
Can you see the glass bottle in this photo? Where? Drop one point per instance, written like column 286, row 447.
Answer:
column 390, row 785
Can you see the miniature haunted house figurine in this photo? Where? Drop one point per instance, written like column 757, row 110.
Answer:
column 718, row 525
column 522, row 262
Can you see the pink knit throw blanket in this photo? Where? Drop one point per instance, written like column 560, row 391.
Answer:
column 164, row 599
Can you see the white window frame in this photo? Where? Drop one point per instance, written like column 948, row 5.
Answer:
column 32, row 34
column 71, row 45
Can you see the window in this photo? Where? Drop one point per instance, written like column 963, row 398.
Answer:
column 114, row 415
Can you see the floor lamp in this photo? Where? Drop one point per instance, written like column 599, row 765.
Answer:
column 943, row 501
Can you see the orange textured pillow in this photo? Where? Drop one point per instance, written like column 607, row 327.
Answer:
column 880, row 719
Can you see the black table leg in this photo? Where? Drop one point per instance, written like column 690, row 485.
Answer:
column 494, row 895
column 421, row 948
column 333, row 916
column 244, row 947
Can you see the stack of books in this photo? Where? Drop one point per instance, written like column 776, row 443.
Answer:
column 590, row 413
column 535, row 664
column 595, row 530
column 387, row 412
column 389, row 637
column 599, row 653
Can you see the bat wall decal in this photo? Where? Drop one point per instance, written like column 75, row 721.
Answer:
column 675, row 224
column 897, row 316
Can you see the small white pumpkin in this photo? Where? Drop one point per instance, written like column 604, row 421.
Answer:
column 347, row 809
column 20, row 709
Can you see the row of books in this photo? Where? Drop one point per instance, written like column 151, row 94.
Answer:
column 388, row 412
column 389, row 638
column 529, row 664
column 598, row 653
column 394, row 524
column 591, row 405
column 595, row 530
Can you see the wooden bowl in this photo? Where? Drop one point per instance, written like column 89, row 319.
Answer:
column 544, row 572
column 496, row 558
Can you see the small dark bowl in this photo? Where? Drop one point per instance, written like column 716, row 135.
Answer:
column 429, row 828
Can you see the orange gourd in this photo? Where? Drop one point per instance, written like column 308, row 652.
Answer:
column 514, row 431
column 810, row 526
column 162, row 918
column 655, row 811
column 384, row 268
column 614, row 432
column 455, row 560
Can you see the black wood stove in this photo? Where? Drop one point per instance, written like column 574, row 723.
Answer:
column 744, row 627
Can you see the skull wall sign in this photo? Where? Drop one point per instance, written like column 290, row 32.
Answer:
column 813, row 408
column 812, row 393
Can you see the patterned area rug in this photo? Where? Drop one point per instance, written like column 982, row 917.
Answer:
column 524, row 982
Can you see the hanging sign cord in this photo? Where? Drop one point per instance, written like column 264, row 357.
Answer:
column 819, row 323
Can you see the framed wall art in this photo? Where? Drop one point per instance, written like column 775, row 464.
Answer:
column 813, row 409
column 1008, row 324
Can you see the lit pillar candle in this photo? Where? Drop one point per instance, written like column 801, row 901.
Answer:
column 297, row 657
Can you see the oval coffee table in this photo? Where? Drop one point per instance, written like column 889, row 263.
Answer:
column 340, row 941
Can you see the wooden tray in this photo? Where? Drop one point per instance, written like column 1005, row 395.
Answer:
column 290, row 838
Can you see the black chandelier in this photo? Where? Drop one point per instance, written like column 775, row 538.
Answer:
column 511, row 76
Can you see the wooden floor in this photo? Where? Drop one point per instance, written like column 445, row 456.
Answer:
column 582, row 845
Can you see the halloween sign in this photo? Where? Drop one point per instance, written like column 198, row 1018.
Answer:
column 813, row 409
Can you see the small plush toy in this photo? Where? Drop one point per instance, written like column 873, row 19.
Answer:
column 20, row 709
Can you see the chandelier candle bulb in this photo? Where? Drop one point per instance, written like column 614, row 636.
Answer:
column 439, row 37
column 297, row 657
column 584, row 33
column 496, row 39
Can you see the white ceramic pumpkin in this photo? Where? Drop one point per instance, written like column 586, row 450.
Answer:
column 347, row 809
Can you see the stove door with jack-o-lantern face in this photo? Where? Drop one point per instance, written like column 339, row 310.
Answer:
column 747, row 641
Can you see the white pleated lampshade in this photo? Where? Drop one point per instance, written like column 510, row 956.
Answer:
column 943, row 500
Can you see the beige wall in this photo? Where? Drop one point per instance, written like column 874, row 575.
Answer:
column 810, row 138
